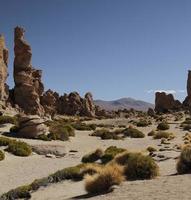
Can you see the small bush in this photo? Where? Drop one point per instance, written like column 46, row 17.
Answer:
column 58, row 132
column 184, row 162
column 14, row 129
column 19, row 148
column 83, row 127
column 151, row 149
column 73, row 173
column 151, row 133
column 5, row 141
column 163, row 126
column 133, row 133
column 2, row 155
column 43, row 137
column 139, row 166
column 106, row 134
column 110, row 153
column 163, row 134
column 8, row 119
column 103, row 181
column 92, row 157
column 91, row 169
column 100, row 132
column 143, row 123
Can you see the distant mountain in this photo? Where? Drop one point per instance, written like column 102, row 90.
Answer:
column 123, row 103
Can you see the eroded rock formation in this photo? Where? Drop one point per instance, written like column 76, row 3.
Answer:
column 166, row 102
column 28, row 86
column 31, row 126
column 49, row 101
column 187, row 101
column 3, row 69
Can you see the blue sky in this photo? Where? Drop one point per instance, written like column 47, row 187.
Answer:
column 113, row 48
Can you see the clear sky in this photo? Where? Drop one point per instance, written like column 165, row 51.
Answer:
column 113, row 48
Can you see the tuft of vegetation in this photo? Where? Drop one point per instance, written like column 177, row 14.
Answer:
column 151, row 149
column 106, row 134
column 184, row 163
column 151, row 133
column 4, row 119
column 5, row 141
column 92, row 157
column 83, row 126
column 163, row 126
column 60, row 132
column 139, row 167
column 2, row 155
column 143, row 123
column 133, row 133
column 14, row 129
column 110, row 153
column 43, row 137
column 19, row 148
column 163, row 134
column 103, row 181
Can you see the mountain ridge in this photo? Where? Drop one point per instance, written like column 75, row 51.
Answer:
column 124, row 103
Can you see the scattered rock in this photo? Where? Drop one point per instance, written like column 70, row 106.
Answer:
column 31, row 126
column 50, row 156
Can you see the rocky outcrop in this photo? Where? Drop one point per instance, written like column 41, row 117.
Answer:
column 3, row 69
column 49, row 101
column 31, row 126
column 73, row 104
column 166, row 102
column 187, row 101
column 151, row 112
column 28, row 86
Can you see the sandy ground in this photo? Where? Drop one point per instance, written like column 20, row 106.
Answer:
column 17, row 171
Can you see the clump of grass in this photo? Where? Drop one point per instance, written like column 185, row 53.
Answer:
column 19, row 148
column 151, row 133
column 8, row 119
column 184, row 162
column 91, row 169
column 5, row 141
column 61, row 132
column 143, row 123
column 133, row 133
column 163, row 134
column 163, row 126
column 2, row 155
column 106, row 134
column 43, row 137
column 139, row 166
column 92, row 157
column 83, row 126
column 104, row 180
column 14, row 129
column 151, row 149
column 110, row 153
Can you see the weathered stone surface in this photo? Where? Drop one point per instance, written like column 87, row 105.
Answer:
column 31, row 126
column 49, row 101
column 187, row 101
column 73, row 104
column 3, row 69
column 28, row 86
column 166, row 102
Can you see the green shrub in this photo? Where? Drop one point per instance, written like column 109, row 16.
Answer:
column 43, row 137
column 19, row 148
column 14, row 129
column 151, row 149
column 143, row 123
column 22, row 192
column 163, row 134
column 100, row 132
column 110, row 153
column 92, row 157
column 133, row 133
column 58, row 132
column 8, row 119
column 163, row 126
column 106, row 134
column 5, row 141
column 83, row 127
column 139, row 166
column 2, row 155
column 184, row 162
column 151, row 133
